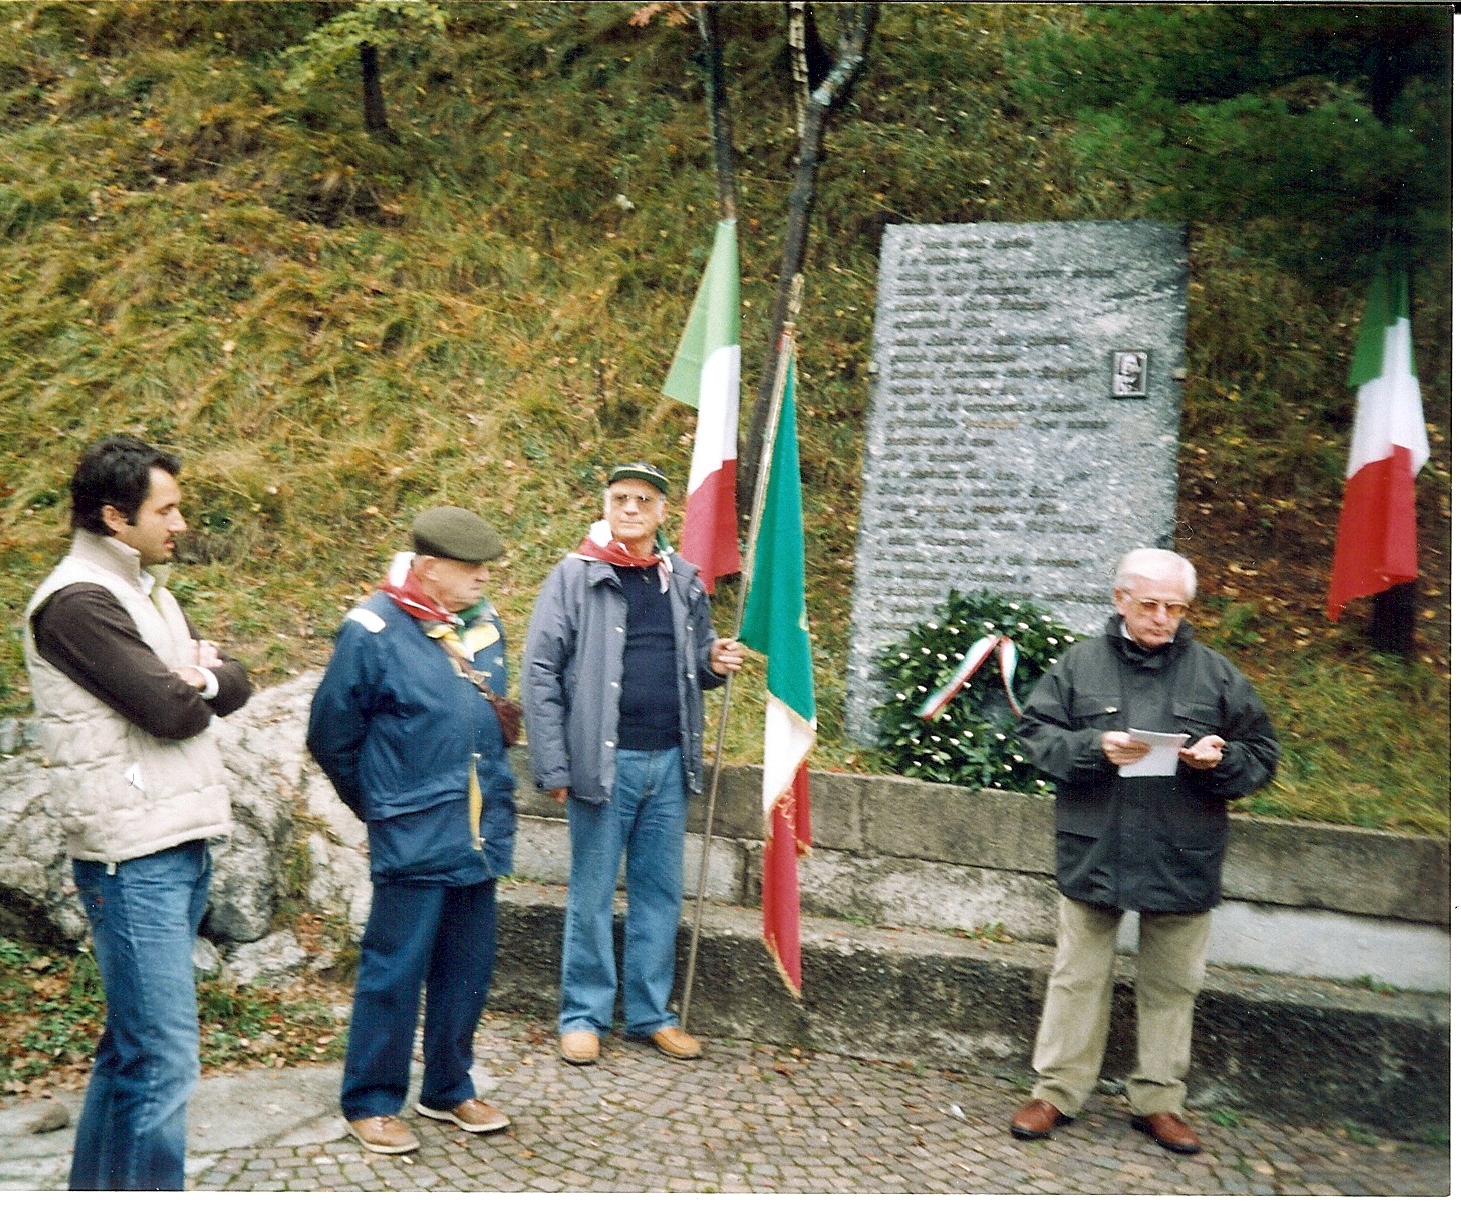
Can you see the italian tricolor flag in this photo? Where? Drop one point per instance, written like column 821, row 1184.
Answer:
column 775, row 623
column 706, row 374
column 1375, row 548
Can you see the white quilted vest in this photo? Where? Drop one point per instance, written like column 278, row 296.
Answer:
column 122, row 793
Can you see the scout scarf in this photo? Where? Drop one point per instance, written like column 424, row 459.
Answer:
column 600, row 545
column 405, row 590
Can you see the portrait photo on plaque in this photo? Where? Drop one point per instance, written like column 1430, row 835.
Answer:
column 1128, row 373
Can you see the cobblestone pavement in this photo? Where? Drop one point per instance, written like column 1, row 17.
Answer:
column 750, row 1118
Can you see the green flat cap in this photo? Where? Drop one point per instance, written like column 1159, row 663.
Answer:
column 640, row 470
column 456, row 534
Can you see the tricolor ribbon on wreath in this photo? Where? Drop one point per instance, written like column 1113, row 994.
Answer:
column 977, row 655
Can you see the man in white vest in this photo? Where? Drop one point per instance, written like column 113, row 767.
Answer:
column 126, row 692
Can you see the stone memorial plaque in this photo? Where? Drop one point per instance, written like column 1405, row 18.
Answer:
column 1022, row 429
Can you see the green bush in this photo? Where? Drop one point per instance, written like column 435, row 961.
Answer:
column 971, row 743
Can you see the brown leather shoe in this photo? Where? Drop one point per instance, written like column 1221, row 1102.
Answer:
column 1036, row 1120
column 675, row 1042
column 581, row 1047
column 1168, row 1130
column 384, row 1135
column 474, row 1116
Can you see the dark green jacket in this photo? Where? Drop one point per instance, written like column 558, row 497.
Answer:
column 1144, row 844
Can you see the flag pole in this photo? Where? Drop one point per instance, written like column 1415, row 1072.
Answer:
column 768, row 443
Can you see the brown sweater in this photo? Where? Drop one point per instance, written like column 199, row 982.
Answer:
column 86, row 633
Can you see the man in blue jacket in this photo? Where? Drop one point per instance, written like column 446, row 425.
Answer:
column 403, row 726
column 618, row 651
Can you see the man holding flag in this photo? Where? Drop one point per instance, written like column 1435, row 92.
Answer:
column 618, row 651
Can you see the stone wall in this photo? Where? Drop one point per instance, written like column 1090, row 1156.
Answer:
column 263, row 751
column 1299, row 1050
column 1319, row 900
column 1316, row 900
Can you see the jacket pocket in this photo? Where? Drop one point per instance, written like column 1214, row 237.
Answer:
column 1083, row 867
column 434, row 841
column 1187, row 879
column 1194, row 828
column 1097, row 711
column 1197, row 717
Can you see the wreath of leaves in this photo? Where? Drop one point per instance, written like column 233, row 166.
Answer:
column 972, row 742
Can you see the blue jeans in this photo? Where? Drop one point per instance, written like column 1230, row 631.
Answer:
column 644, row 820
column 445, row 937
column 144, row 918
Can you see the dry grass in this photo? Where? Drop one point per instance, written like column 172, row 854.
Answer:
column 335, row 332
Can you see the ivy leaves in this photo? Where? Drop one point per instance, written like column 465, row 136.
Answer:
column 972, row 741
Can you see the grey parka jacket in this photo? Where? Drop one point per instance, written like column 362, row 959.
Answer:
column 572, row 663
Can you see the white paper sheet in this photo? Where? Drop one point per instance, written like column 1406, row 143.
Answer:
column 1161, row 762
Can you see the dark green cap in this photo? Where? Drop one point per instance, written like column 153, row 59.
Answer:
column 640, row 470
column 456, row 534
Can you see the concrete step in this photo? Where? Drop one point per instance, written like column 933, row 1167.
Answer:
column 1291, row 1049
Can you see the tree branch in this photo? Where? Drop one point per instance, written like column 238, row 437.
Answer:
column 707, row 19
column 856, row 24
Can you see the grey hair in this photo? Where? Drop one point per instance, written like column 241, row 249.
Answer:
column 1155, row 564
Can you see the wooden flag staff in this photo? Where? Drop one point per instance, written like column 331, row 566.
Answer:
column 768, row 442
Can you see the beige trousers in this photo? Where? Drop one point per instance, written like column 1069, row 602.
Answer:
column 1171, row 960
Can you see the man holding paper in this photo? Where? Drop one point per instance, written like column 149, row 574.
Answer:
column 1148, row 735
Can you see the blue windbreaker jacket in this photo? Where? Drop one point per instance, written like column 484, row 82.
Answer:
column 396, row 728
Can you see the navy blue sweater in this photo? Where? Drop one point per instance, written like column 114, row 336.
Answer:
column 649, row 707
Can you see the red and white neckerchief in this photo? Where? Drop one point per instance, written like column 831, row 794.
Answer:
column 600, row 545
column 405, row 590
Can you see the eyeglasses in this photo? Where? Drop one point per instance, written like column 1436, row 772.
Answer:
column 1150, row 606
column 622, row 500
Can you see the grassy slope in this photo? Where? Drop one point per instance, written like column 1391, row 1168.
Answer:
column 335, row 332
